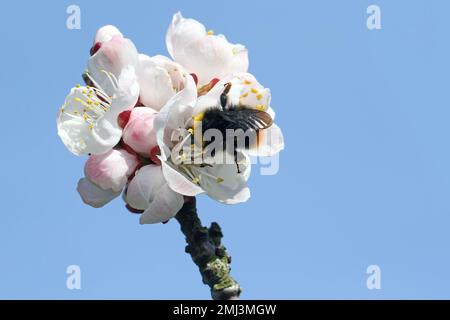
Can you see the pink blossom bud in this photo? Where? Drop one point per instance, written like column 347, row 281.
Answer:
column 139, row 133
column 111, row 169
column 105, row 33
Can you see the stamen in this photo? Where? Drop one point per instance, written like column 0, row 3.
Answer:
column 204, row 173
column 180, row 145
column 100, row 93
column 189, row 173
column 111, row 78
column 93, row 81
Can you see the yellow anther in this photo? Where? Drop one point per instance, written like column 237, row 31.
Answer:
column 259, row 96
column 260, row 107
column 219, row 180
column 91, row 126
column 77, row 85
column 247, row 82
column 198, row 117
column 196, row 180
column 210, row 32
column 245, row 95
column 254, row 90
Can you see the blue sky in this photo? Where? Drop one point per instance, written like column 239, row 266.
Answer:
column 364, row 178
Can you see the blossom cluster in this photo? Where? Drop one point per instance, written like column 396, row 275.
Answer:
column 135, row 112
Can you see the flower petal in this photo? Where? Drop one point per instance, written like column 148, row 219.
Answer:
column 163, row 207
column 155, row 83
column 181, row 32
column 106, row 33
column 239, row 62
column 125, row 95
column 111, row 169
column 112, row 57
column 178, row 182
column 224, row 182
column 105, row 135
column 93, row 195
column 148, row 191
column 175, row 114
column 270, row 142
column 245, row 90
column 144, row 186
column 176, row 71
column 207, row 55
column 80, row 136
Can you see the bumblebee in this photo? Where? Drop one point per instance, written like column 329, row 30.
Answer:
column 240, row 119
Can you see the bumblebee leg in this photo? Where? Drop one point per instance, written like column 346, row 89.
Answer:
column 224, row 95
column 235, row 156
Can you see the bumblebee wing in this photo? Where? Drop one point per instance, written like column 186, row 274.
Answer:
column 236, row 118
column 245, row 119
column 261, row 118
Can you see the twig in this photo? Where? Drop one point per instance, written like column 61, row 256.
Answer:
column 207, row 252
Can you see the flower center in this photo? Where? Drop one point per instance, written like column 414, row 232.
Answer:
column 186, row 163
column 93, row 101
